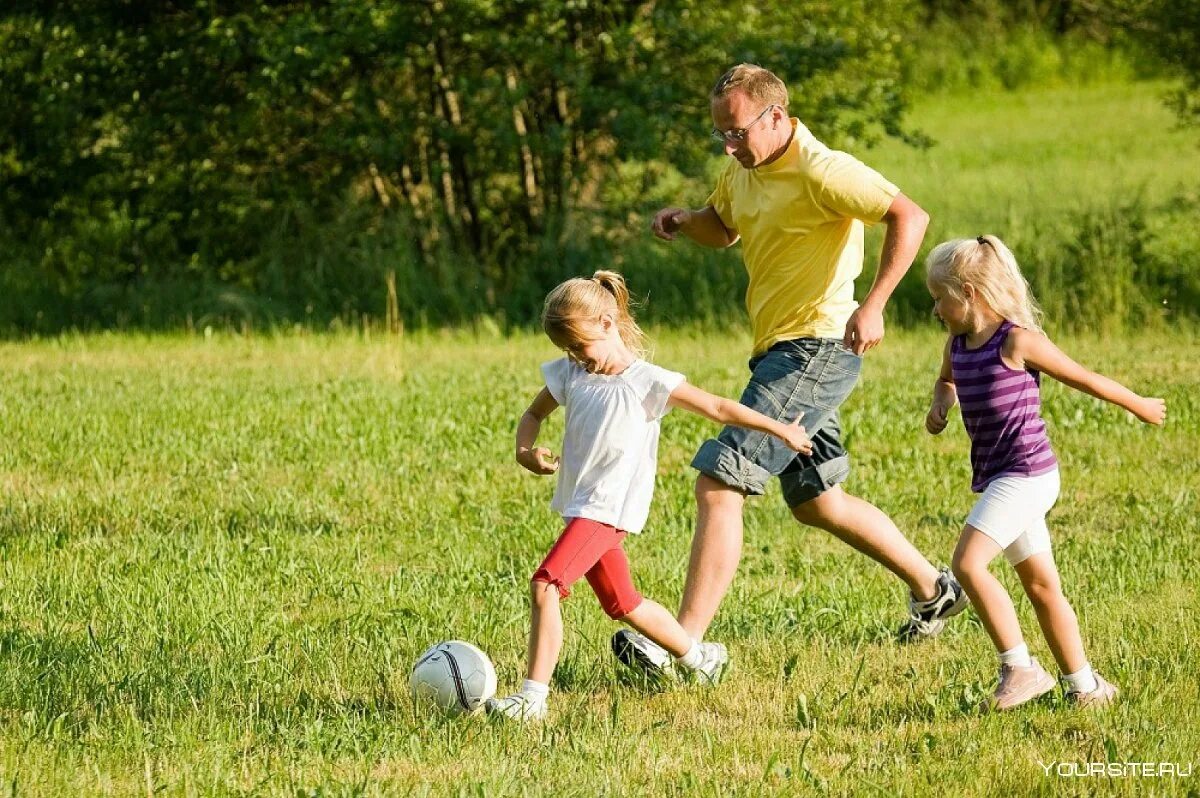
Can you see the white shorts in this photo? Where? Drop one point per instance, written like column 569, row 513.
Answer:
column 1012, row 512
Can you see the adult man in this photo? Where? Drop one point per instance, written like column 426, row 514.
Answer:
column 799, row 209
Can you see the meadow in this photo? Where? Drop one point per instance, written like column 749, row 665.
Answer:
column 222, row 554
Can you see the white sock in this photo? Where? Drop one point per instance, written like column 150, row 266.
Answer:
column 692, row 659
column 1081, row 681
column 534, row 692
column 1017, row 656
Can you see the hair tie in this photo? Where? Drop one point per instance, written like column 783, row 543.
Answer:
column 981, row 239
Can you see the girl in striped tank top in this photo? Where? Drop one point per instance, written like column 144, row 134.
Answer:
column 991, row 368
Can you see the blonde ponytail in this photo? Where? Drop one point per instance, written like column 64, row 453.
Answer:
column 988, row 265
column 580, row 300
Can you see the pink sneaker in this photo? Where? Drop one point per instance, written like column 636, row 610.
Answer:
column 1104, row 694
column 1019, row 685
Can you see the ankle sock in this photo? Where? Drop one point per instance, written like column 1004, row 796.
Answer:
column 534, row 692
column 1081, row 681
column 692, row 659
column 1017, row 656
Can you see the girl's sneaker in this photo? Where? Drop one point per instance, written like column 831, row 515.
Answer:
column 1020, row 684
column 927, row 619
column 517, row 706
column 1104, row 694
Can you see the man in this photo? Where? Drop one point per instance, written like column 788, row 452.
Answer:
column 799, row 209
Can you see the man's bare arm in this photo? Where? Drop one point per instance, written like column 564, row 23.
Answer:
column 703, row 226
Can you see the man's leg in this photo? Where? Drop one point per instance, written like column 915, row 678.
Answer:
column 865, row 527
column 716, row 550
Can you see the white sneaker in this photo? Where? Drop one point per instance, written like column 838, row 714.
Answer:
column 713, row 665
column 644, row 655
column 1104, row 694
column 517, row 706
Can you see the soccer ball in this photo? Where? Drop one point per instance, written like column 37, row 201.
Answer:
column 455, row 676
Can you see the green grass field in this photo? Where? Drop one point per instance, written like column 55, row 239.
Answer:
column 221, row 556
column 1015, row 158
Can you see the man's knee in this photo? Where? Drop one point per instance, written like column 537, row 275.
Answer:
column 712, row 494
column 822, row 511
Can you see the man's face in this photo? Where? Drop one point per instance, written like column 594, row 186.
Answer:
column 753, row 131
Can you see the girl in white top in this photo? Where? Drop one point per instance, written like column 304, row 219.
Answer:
column 614, row 400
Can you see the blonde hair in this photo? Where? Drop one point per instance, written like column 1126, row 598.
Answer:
column 574, row 303
column 761, row 85
column 990, row 267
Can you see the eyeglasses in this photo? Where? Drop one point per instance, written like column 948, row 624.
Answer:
column 738, row 134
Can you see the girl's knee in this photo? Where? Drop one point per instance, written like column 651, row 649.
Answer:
column 966, row 569
column 1045, row 591
column 621, row 606
column 543, row 589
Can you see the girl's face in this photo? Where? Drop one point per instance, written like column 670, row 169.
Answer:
column 953, row 312
column 603, row 352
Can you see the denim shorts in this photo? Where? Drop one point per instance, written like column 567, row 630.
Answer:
column 806, row 378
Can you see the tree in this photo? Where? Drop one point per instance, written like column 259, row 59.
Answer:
column 151, row 141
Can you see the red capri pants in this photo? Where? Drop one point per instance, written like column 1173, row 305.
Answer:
column 592, row 549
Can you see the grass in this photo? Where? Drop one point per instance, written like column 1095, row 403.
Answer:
column 220, row 556
column 1002, row 157
column 1089, row 185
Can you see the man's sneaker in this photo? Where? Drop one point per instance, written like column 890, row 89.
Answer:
column 1104, row 694
column 927, row 619
column 713, row 665
column 1020, row 684
column 517, row 706
column 644, row 655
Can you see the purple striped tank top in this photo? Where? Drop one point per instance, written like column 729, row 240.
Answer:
column 1001, row 409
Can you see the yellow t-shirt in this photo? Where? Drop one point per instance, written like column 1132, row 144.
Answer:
column 801, row 222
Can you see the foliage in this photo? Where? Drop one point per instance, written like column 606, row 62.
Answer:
column 145, row 144
column 1172, row 28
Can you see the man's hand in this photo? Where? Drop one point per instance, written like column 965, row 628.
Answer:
column 864, row 330
column 668, row 221
column 539, row 460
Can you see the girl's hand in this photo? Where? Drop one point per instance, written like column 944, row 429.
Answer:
column 935, row 419
column 539, row 460
column 1152, row 411
column 796, row 438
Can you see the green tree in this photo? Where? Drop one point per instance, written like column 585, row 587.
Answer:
column 172, row 141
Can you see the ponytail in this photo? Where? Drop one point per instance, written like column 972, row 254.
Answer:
column 987, row 264
column 580, row 300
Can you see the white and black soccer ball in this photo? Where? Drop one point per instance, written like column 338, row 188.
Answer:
column 455, row 676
